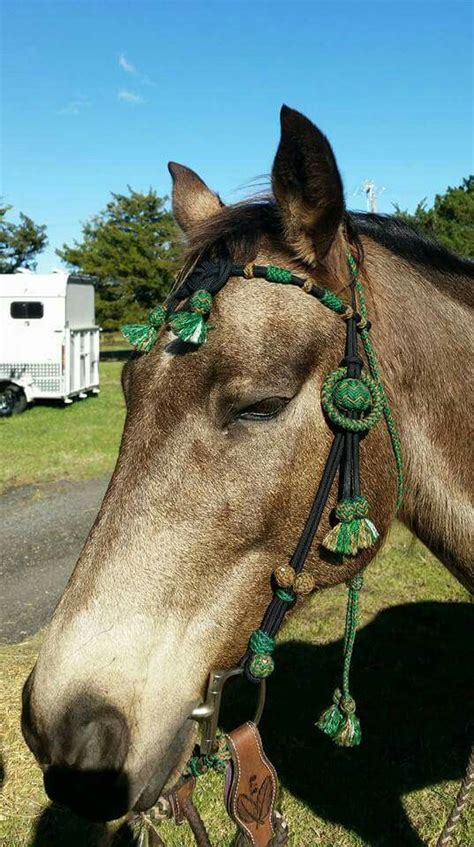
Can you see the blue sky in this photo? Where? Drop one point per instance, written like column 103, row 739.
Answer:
column 98, row 94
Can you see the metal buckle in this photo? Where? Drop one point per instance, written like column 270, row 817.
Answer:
column 207, row 713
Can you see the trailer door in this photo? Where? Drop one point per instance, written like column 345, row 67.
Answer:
column 34, row 334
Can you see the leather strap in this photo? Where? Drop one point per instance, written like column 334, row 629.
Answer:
column 179, row 797
column 183, row 809
column 252, row 786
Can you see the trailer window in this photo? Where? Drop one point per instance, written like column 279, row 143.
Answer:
column 29, row 310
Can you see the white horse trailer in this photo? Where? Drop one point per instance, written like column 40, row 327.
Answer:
column 49, row 342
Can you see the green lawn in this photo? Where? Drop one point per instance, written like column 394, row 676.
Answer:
column 49, row 442
column 413, row 667
column 113, row 341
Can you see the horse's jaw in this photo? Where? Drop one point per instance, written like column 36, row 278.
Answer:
column 160, row 777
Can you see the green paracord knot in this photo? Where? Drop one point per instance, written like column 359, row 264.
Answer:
column 190, row 326
column 341, row 393
column 354, row 531
column 286, row 596
column 357, row 581
column 217, row 761
column 348, row 510
column 262, row 646
column 200, row 302
column 143, row 336
column 274, row 274
column 333, row 302
column 352, row 395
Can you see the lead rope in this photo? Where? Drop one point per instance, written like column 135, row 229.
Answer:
column 461, row 800
column 374, row 369
column 146, row 834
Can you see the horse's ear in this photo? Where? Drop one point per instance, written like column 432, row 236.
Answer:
column 193, row 201
column 307, row 187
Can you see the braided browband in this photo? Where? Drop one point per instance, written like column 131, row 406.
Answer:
column 199, row 288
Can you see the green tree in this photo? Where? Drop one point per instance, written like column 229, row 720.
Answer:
column 20, row 243
column 131, row 248
column 450, row 220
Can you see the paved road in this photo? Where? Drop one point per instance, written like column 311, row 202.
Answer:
column 43, row 528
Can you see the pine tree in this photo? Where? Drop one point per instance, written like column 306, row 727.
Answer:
column 131, row 248
column 450, row 220
column 20, row 243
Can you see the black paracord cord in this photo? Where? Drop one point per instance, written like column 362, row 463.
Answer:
column 351, row 475
column 277, row 609
column 344, row 454
column 210, row 275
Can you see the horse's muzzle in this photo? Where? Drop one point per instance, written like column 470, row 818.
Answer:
column 101, row 795
column 82, row 755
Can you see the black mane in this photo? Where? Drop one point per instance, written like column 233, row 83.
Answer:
column 241, row 226
column 407, row 241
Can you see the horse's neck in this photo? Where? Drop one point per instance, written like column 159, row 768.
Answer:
column 425, row 349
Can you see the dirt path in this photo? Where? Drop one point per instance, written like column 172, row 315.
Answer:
column 43, row 528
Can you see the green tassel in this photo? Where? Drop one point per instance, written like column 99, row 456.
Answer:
column 368, row 534
column 140, row 336
column 340, row 722
column 144, row 336
column 189, row 326
column 349, row 537
column 330, row 721
column 354, row 532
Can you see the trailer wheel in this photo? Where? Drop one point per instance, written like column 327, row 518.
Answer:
column 12, row 400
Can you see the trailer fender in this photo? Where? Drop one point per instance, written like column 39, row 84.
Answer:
column 25, row 383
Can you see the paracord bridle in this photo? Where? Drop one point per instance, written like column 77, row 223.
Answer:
column 354, row 400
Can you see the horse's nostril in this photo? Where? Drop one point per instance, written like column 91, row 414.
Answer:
column 84, row 752
column 89, row 735
column 99, row 795
column 91, row 738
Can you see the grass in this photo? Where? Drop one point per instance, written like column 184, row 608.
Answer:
column 113, row 341
column 50, row 442
column 413, row 665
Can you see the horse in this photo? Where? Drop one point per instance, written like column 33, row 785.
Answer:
column 222, row 450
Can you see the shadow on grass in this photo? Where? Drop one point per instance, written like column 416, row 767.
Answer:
column 412, row 670
column 58, row 827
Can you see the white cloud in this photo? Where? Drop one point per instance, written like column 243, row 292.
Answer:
column 74, row 107
column 145, row 80
column 126, row 65
column 130, row 68
column 130, row 97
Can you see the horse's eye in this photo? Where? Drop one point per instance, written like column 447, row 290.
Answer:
column 270, row 407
